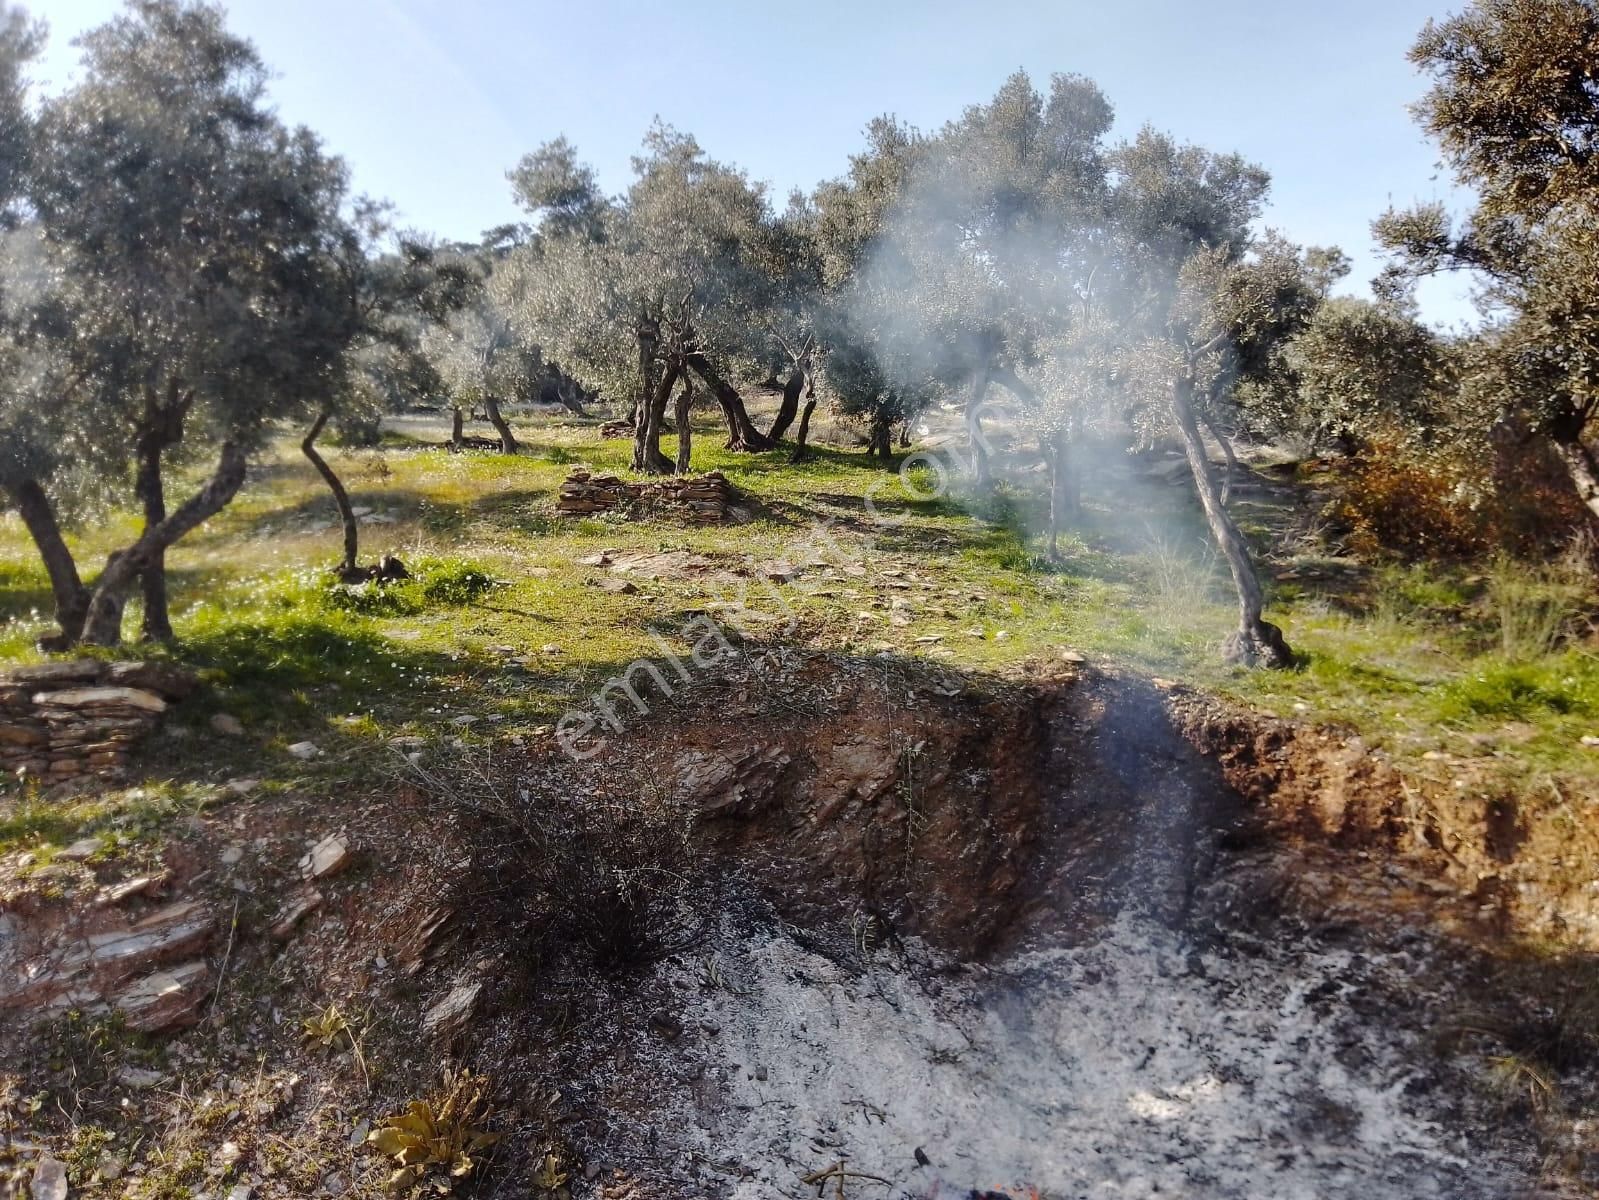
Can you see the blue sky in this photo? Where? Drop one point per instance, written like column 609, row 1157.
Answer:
column 431, row 101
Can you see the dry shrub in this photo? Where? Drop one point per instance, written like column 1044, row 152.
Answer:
column 1534, row 508
column 1513, row 497
column 563, row 874
column 1392, row 500
column 1539, row 607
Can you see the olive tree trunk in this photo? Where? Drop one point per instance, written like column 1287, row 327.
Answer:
column 66, row 587
column 103, row 624
column 1065, row 486
column 741, row 432
column 974, row 427
column 788, row 409
column 150, row 490
column 685, row 434
column 880, row 442
column 647, row 455
column 1257, row 642
column 491, row 405
column 1580, row 464
column 341, row 498
column 1227, row 453
column 802, row 449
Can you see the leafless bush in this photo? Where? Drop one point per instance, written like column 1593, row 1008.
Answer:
column 560, row 872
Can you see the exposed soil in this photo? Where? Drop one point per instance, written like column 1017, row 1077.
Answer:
column 1068, row 934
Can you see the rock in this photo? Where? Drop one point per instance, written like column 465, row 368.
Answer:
column 135, row 1077
column 123, row 699
column 618, row 587
column 464, row 720
column 231, row 856
column 227, row 724
column 241, row 1191
column 110, row 1168
column 49, row 1179
column 87, row 970
column 450, row 1015
column 295, row 911
column 305, row 751
column 165, row 935
column 139, row 885
column 721, row 783
column 23, row 735
column 551, row 648
column 83, row 670
column 328, row 857
column 241, row 787
column 1073, row 656
column 174, row 683
column 164, row 1000
column 80, row 850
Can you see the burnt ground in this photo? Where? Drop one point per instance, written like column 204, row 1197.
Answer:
column 1065, row 933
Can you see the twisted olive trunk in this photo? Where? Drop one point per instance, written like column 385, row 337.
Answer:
column 880, row 443
column 38, row 516
column 1565, row 434
column 341, row 498
column 160, row 428
column 788, row 409
column 647, row 455
column 974, row 427
column 802, row 449
column 1227, row 453
column 1257, row 641
column 502, row 427
column 150, row 490
column 741, row 432
column 103, row 624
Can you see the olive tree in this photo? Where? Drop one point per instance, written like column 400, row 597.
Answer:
column 34, row 449
column 1514, row 105
column 993, row 239
column 195, row 315
column 397, row 286
column 1208, row 312
column 637, row 295
column 477, row 351
column 1356, row 370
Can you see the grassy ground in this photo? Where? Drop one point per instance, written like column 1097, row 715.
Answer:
column 506, row 626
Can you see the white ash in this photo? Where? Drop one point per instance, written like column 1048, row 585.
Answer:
column 1129, row 1068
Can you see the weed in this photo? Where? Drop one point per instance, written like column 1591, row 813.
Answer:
column 437, row 1138
column 1522, row 691
column 1538, row 608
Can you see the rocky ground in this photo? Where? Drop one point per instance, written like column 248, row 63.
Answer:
column 849, row 925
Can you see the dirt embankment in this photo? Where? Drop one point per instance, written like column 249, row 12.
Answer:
column 888, row 909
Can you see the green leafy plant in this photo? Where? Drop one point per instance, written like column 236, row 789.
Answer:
column 436, row 1140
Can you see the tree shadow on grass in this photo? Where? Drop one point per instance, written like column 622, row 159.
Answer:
column 523, row 510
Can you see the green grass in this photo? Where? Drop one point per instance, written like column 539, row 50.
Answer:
column 504, row 622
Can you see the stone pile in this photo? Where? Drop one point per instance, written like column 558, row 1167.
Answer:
column 64, row 721
column 617, row 429
column 705, row 499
